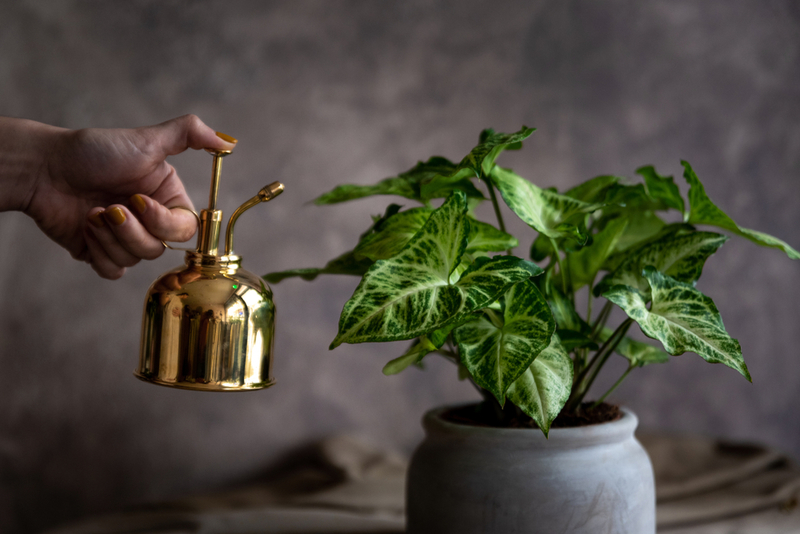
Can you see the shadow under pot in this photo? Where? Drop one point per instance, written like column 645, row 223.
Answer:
column 466, row 479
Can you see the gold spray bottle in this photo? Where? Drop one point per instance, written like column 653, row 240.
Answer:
column 209, row 325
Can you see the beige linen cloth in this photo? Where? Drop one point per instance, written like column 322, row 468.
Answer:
column 343, row 485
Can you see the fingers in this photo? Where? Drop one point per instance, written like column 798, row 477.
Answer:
column 162, row 222
column 122, row 237
column 188, row 131
column 99, row 260
column 119, row 239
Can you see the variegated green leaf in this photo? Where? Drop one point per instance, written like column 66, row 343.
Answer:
column 412, row 293
column 544, row 211
column 498, row 350
column 658, row 231
column 573, row 331
column 593, row 190
column 378, row 220
column 389, row 186
column 678, row 255
column 394, row 234
column 487, row 279
column 408, row 184
column 563, row 310
column 682, row 318
column 703, row 211
column 347, row 263
column 440, row 186
column 637, row 353
column 633, row 197
column 662, row 188
column 418, row 350
column 642, row 226
column 484, row 237
column 481, row 158
column 544, row 388
column 584, row 264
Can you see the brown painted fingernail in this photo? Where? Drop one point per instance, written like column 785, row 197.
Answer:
column 97, row 219
column 116, row 216
column 228, row 138
column 138, row 204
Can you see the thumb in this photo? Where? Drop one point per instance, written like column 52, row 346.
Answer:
column 176, row 135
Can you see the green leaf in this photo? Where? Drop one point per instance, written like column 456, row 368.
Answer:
column 481, row 158
column 412, row 293
column 440, row 186
column 637, row 353
column 497, row 354
column 703, row 211
column 594, row 189
column 388, row 186
column 378, row 220
column 563, row 310
column 642, row 226
column 544, row 388
column 418, row 350
column 544, row 211
column 584, row 264
column 394, row 234
column 484, row 237
column 661, row 231
column 678, row 255
column 347, row 263
column 662, row 188
column 408, row 184
column 541, row 248
column 682, row 318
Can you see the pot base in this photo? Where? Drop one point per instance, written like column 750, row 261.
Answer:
column 468, row 479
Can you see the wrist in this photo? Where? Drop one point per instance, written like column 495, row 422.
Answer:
column 25, row 148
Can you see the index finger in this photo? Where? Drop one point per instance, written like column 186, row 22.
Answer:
column 167, row 224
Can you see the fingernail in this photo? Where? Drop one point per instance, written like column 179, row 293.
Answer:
column 228, row 138
column 97, row 219
column 116, row 216
column 138, row 204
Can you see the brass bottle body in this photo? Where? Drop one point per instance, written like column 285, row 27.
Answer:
column 208, row 325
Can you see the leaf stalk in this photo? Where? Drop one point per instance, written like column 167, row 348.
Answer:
column 582, row 384
column 611, row 390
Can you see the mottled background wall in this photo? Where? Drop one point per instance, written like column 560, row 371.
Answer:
column 321, row 93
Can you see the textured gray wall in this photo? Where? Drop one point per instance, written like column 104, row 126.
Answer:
column 321, row 93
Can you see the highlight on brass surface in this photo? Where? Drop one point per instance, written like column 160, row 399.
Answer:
column 209, row 325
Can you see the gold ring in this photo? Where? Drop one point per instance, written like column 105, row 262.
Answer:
column 196, row 216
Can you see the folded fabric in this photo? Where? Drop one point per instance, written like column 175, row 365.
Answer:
column 341, row 484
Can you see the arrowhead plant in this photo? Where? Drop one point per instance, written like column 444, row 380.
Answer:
column 435, row 275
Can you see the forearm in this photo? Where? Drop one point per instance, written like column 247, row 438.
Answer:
column 24, row 149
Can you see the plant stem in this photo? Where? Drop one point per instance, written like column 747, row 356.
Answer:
column 600, row 357
column 607, row 348
column 600, row 322
column 496, row 206
column 589, row 301
column 607, row 393
column 560, row 266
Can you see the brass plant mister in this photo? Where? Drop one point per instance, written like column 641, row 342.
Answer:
column 209, row 325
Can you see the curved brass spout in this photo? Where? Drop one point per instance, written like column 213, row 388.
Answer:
column 266, row 194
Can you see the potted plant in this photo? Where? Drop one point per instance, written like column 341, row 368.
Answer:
column 449, row 282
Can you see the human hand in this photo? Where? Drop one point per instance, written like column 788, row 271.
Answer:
column 106, row 193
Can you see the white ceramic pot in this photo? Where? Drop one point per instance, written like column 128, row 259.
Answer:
column 467, row 479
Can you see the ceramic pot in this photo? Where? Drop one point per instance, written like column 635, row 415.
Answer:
column 467, row 479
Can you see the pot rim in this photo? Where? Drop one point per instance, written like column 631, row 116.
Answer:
column 580, row 436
